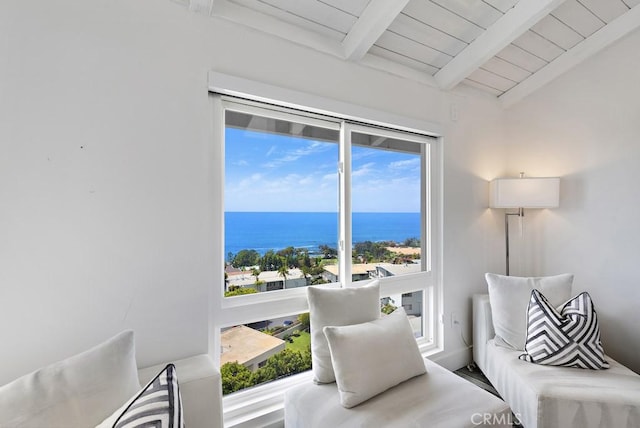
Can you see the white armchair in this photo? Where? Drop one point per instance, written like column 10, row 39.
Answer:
column 549, row 396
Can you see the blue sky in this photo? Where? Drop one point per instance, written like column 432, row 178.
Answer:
column 267, row 172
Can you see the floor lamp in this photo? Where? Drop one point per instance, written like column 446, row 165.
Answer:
column 521, row 193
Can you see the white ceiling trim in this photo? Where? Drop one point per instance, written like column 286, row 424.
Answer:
column 375, row 19
column 509, row 27
column 602, row 38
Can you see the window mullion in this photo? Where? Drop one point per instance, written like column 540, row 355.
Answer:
column 424, row 206
column 344, row 209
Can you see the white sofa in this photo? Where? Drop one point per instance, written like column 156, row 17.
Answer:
column 200, row 388
column 436, row 399
column 368, row 372
column 548, row 396
column 103, row 386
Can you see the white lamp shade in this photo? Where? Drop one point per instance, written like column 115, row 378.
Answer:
column 526, row 192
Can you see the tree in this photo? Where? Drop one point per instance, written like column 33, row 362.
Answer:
column 287, row 362
column 328, row 252
column 246, row 258
column 371, row 251
column 288, row 256
column 411, row 242
column 270, row 261
column 235, row 377
column 283, row 271
column 306, row 272
column 303, row 319
column 388, row 308
column 256, row 272
column 237, row 290
column 302, row 258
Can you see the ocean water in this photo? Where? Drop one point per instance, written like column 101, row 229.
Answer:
column 263, row 231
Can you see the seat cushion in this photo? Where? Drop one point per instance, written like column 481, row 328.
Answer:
column 551, row 397
column 437, row 399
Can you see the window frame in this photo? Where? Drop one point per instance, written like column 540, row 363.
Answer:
column 264, row 402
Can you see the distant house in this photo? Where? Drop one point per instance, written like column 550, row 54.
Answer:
column 383, row 270
column 411, row 302
column 359, row 272
column 248, row 347
column 268, row 280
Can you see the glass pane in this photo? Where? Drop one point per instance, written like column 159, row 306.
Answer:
column 281, row 203
column 412, row 304
column 386, row 201
column 260, row 352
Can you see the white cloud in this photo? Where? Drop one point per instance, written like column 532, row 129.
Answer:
column 291, row 192
column 363, row 170
column 299, row 152
column 405, row 164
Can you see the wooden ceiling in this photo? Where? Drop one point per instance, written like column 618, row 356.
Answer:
column 508, row 48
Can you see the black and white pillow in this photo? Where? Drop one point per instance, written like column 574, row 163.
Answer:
column 567, row 337
column 157, row 405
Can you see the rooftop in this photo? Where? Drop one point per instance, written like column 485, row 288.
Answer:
column 243, row 344
column 401, row 269
column 356, row 269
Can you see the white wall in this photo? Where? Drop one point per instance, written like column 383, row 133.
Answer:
column 585, row 127
column 103, row 181
column 105, row 177
column 474, row 154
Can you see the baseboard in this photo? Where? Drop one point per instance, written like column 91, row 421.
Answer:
column 453, row 360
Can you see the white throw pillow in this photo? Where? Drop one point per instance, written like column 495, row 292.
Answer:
column 77, row 392
column 337, row 306
column 158, row 404
column 509, row 297
column 372, row 357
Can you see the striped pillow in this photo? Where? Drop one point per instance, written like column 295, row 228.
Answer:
column 157, row 405
column 567, row 337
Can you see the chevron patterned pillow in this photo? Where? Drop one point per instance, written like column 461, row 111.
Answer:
column 567, row 337
column 156, row 405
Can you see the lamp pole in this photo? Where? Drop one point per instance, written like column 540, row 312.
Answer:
column 520, row 213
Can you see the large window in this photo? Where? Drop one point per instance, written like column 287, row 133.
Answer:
column 315, row 199
column 280, row 199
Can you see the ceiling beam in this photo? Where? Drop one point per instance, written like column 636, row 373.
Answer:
column 375, row 19
column 593, row 44
column 509, row 27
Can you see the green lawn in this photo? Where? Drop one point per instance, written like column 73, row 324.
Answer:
column 300, row 343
